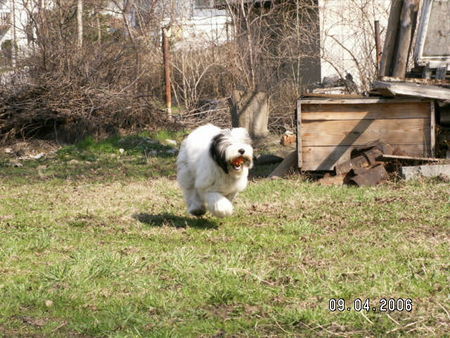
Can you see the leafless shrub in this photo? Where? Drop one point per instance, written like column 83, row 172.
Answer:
column 71, row 92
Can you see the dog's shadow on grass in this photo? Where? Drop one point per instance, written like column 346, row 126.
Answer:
column 171, row 220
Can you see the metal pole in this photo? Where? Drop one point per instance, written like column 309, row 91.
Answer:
column 166, row 60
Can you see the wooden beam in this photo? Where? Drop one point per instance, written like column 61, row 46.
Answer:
column 386, row 111
column 285, row 166
column 299, row 134
column 427, row 81
column 387, row 158
column 432, row 129
column 360, row 100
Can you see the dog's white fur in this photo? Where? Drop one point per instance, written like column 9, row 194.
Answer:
column 205, row 171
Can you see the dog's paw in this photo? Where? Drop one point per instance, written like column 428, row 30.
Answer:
column 222, row 208
column 197, row 211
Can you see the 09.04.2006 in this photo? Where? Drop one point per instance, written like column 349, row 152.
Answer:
column 382, row 305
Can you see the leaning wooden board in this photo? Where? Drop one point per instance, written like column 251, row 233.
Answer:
column 329, row 128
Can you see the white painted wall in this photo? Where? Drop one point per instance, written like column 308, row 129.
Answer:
column 195, row 27
column 348, row 38
column 21, row 20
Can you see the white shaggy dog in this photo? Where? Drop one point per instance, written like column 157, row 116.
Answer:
column 213, row 166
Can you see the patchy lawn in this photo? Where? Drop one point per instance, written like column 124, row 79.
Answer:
column 95, row 241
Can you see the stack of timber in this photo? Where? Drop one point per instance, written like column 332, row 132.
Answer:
column 398, row 40
column 431, row 50
column 375, row 163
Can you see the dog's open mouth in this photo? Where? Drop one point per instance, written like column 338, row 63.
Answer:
column 238, row 162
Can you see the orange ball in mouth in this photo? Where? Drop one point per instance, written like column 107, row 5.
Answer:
column 238, row 161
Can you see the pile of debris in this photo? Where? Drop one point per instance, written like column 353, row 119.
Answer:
column 377, row 161
column 370, row 165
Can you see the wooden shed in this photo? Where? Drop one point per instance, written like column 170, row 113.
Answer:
column 329, row 128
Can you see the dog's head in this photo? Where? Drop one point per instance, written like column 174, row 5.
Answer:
column 231, row 149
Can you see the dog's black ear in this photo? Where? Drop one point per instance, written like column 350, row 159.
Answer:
column 217, row 151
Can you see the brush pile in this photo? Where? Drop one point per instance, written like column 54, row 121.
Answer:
column 67, row 112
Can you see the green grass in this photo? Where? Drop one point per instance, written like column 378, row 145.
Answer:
column 96, row 242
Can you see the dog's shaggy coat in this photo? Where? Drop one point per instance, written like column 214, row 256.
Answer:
column 213, row 166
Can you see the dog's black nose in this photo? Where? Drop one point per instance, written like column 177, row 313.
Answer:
column 241, row 151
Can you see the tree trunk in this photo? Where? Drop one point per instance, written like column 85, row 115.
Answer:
column 250, row 110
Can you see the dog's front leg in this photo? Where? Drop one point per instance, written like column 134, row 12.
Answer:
column 218, row 205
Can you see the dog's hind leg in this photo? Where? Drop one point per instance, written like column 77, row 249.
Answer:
column 218, row 205
column 195, row 206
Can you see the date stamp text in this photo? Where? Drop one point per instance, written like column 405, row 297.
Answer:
column 381, row 305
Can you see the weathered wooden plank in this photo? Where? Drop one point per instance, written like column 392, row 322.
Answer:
column 299, row 131
column 408, row 19
column 387, row 158
column 413, row 89
column 283, row 168
column 325, row 158
column 360, row 100
column 359, row 111
column 432, row 129
column 364, row 115
column 391, row 37
column 425, row 81
column 354, row 132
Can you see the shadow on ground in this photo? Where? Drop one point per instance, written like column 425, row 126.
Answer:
column 175, row 221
